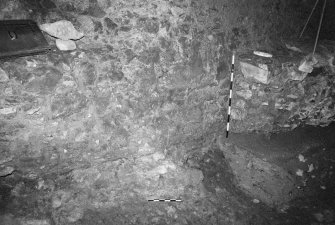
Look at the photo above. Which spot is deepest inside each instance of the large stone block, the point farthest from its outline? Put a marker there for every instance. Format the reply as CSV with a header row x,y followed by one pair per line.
x,y
254,72
67,45
62,29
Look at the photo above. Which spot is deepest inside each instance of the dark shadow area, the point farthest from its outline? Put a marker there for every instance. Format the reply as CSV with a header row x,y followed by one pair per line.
x,y
327,31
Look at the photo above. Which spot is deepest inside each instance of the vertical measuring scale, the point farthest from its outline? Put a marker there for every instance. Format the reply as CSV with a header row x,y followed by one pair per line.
x,y
230,92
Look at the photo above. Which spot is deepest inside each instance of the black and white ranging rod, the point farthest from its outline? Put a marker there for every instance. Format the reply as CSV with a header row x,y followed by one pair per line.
x,y
230,91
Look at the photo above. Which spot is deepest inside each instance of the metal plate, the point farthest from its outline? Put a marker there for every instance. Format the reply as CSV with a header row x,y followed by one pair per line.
x,y
21,38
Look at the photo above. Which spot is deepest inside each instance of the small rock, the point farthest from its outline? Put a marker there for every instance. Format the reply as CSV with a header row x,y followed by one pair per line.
x,y
8,170
328,215
6,159
299,173
292,96
32,64
263,54
62,29
284,208
240,104
319,217
149,25
293,74
256,201
40,184
58,199
110,24
8,111
32,176
263,66
66,67
261,93
3,76
68,45
239,112
210,37
34,222
330,63
307,64
69,83
8,91
171,211
255,72
33,111
246,94
98,28
56,202
310,168
243,84
86,24
301,158
158,156
293,48
75,215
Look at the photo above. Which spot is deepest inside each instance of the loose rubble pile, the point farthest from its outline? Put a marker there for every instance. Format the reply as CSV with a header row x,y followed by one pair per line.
x,y
285,91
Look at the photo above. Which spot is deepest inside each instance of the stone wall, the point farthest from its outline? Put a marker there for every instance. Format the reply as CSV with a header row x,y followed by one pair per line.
x,y
146,74
275,95
151,74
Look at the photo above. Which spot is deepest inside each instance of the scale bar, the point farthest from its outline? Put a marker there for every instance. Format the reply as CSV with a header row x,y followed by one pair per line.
x,y
164,200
